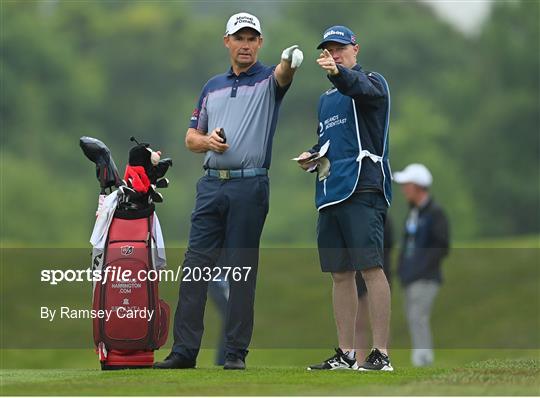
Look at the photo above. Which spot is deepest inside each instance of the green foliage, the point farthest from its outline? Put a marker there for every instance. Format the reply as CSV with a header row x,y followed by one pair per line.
x,y
501,130
465,106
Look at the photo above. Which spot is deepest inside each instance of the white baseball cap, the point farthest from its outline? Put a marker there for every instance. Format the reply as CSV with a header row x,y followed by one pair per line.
x,y
242,20
415,173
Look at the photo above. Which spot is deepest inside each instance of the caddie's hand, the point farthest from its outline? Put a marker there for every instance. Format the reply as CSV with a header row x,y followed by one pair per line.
x,y
293,55
304,165
326,62
215,142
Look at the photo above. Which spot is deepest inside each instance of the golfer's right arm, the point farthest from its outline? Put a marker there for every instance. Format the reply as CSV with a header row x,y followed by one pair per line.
x,y
199,142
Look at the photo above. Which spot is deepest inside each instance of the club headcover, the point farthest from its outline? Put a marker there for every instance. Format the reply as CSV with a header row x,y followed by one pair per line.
x,y
159,170
137,178
97,152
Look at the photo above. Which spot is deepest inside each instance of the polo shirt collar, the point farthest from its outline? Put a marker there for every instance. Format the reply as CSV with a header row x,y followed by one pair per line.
x,y
256,67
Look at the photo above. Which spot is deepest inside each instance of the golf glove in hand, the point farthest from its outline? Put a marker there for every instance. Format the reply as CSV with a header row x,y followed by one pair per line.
x,y
294,55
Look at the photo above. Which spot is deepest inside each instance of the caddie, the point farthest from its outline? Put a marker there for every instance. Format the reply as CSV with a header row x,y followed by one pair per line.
x,y
353,191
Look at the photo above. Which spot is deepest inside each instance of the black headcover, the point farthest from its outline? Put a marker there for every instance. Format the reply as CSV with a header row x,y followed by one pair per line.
x,y
106,171
140,155
159,170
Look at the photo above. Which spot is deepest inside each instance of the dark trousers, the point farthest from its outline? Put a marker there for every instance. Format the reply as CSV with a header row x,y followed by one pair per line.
x,y
226,227
219,294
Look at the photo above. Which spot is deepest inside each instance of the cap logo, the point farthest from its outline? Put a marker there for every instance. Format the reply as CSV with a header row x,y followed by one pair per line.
x,y
333,32
353,39
244,19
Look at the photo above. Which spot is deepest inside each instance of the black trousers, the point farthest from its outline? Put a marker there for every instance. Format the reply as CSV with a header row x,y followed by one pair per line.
x,y
226,227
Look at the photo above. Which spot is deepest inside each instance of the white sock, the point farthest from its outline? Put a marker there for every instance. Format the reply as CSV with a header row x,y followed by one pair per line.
x,y
350,354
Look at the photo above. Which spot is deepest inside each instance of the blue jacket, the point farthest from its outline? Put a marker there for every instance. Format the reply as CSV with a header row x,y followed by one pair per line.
x,y
354,117
426,239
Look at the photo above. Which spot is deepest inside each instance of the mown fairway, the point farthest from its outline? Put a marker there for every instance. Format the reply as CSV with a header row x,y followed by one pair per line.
x,y
508,373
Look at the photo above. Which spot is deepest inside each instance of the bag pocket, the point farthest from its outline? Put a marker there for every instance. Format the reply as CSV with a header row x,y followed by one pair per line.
x,y
163,332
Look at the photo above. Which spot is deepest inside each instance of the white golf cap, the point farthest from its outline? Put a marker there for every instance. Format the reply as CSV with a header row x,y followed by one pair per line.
x,y
242,20
415,173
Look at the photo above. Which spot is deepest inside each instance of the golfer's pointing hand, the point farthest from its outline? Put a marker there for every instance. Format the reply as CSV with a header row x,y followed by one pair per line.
x,y
293,55
215,142
326,62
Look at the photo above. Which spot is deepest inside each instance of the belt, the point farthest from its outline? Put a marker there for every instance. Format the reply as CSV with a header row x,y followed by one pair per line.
x,y
367,190
240,173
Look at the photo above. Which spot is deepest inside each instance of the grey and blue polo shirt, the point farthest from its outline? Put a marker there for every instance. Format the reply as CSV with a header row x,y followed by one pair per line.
x,y
247,107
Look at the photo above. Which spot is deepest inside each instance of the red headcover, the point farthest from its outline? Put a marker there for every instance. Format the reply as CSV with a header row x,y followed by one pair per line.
x,y
137,178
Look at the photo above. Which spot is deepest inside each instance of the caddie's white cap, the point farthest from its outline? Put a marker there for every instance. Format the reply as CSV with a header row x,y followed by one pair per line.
x,y
415,173
242,20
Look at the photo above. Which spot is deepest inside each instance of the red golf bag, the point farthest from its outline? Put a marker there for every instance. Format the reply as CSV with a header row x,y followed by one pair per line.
x,y
134,321
129,320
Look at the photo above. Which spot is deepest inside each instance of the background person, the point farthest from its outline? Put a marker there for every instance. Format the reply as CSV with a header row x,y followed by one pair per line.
x,y
425,244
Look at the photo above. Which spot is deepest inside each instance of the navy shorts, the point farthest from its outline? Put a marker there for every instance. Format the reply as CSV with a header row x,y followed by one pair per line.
x,y
350,234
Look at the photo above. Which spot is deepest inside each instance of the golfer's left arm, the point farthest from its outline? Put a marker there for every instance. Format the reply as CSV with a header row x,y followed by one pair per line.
x,y
291,59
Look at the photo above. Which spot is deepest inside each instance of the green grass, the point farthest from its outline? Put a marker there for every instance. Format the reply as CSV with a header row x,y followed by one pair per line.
x,y
458,372
486,317
515,242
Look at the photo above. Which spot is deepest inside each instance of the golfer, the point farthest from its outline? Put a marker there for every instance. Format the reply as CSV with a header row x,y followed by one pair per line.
x,y
232,196
353,192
